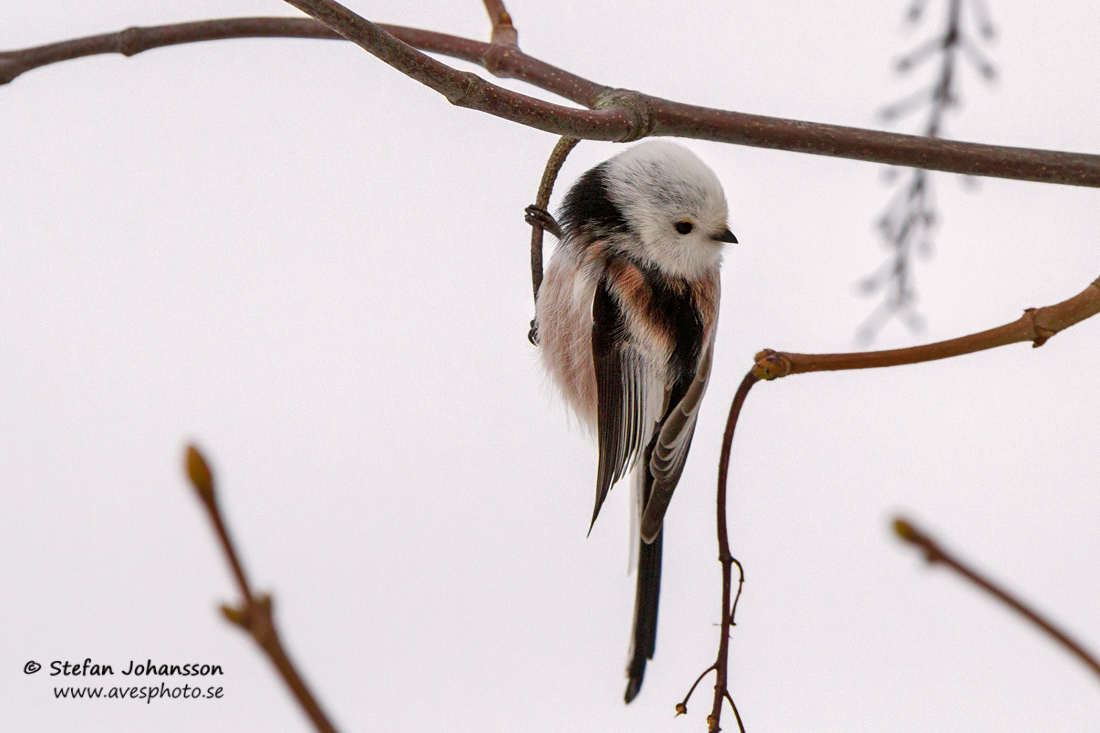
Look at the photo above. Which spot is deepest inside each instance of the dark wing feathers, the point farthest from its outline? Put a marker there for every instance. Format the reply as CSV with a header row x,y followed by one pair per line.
x,y
671,448
621,384
619,394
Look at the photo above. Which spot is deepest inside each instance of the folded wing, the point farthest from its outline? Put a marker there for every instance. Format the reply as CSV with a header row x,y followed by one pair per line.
x,y
670,451
624,391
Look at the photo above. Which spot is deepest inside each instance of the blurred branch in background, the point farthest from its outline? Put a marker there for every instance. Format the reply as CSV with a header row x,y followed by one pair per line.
x,y
934,554
254,615
907,222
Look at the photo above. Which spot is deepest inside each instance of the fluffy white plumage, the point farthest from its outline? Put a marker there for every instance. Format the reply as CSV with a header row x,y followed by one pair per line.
x,y
658,183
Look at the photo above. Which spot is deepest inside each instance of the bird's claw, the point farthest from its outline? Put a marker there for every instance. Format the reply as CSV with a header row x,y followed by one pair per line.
x,y
539,217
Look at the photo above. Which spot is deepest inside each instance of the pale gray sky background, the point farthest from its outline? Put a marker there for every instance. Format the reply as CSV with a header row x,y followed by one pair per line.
x,y
318,270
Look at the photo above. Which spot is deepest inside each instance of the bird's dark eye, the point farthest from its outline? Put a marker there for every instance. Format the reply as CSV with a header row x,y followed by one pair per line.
x,y
684,227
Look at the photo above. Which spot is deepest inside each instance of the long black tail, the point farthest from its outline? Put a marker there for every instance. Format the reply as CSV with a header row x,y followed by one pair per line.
x,y
645,613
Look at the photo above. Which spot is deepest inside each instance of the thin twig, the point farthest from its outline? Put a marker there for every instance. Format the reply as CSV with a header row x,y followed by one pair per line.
x,y
740,587
721,665
542,200
935,554
255,614
504,33
668,117
1037,325
682,706
736,714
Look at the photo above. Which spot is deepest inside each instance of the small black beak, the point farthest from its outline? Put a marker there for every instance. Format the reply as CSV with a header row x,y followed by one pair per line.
x,y
726,236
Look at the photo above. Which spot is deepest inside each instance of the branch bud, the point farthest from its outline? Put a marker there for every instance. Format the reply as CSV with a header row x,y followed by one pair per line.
x,y
235,616
771,365
906,531
198,471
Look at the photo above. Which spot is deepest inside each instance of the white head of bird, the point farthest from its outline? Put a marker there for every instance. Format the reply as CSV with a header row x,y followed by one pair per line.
x,y
675,205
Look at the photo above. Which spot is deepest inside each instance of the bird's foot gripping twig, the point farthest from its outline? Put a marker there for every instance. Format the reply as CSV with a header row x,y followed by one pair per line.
x,y
539,217
542,220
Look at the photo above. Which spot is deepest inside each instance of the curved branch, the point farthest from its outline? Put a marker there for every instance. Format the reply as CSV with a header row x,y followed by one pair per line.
x,y
394,45
502,61
137,39
542,200
721,665
683,120
464,89
1037,325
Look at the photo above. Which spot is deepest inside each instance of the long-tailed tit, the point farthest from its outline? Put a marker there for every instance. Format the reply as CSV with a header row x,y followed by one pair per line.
x,y
626,319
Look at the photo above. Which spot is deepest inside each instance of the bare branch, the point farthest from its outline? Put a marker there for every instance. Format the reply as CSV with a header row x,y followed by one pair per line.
x,y
542,220
914,151
542,200
504,33
134,40
721,665
254,615
462,88
736,714
1037,325
504,62
936,555
667,117
682,706
683,120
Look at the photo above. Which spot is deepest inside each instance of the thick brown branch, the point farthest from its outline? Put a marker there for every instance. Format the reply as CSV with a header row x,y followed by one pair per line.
x,y
936,555
682,120
464,89
135,40
914,151
667,117
254,615
1037,325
